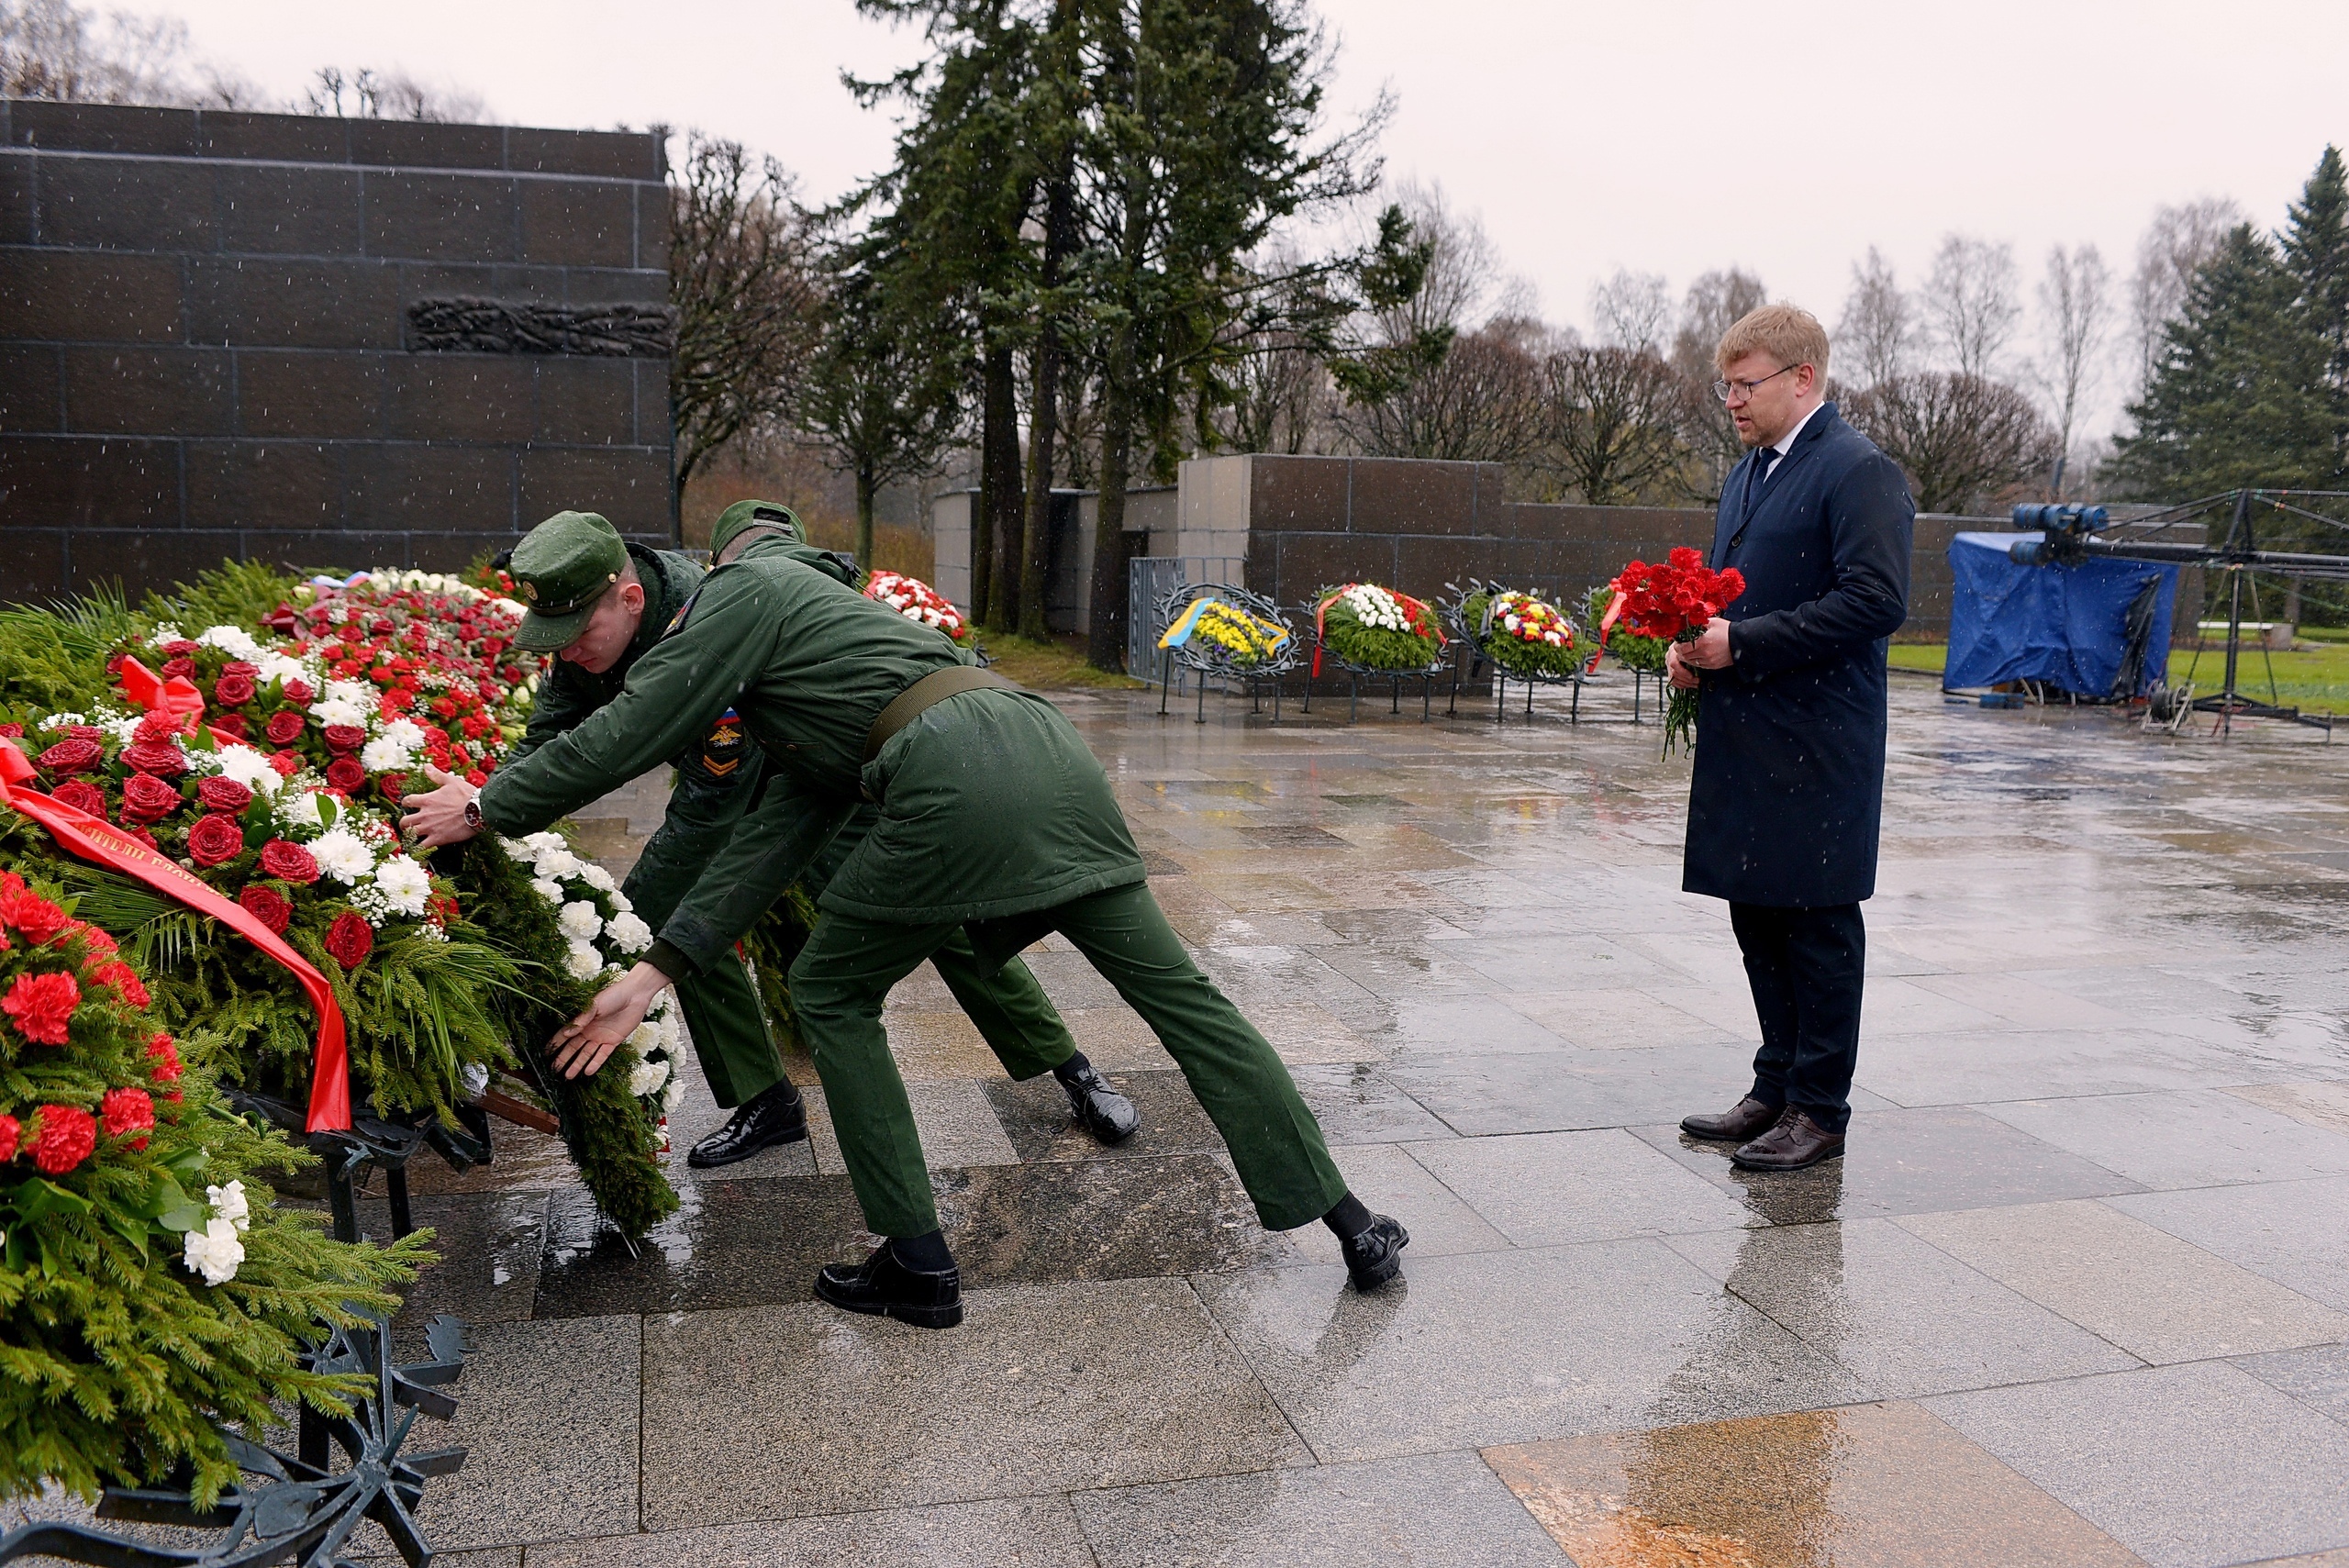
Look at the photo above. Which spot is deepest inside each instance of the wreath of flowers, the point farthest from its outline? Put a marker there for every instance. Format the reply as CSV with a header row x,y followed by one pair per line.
x,y
1377,628
1521,633
918,601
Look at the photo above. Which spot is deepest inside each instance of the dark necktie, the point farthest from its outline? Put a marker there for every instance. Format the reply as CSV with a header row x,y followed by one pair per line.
x,y
1753,478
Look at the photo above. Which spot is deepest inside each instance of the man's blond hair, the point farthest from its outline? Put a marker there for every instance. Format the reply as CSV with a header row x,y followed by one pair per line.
x,y
1787,333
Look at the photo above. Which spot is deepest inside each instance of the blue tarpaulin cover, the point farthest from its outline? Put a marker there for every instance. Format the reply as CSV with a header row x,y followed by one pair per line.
x,y
2067,626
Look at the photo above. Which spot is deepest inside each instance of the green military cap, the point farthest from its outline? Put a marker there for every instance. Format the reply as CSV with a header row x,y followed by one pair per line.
x,y
560,569
746,515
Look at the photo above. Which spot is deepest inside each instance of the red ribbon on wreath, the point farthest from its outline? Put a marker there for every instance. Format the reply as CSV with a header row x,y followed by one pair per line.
x,y
94,839
178,696
1413,610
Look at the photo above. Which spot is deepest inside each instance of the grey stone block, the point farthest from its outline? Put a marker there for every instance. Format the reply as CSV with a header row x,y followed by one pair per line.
x,y
1395,495
1305,495
87,297
158,558
614,155
463,398
341,550
85,481
16,197
32,563
306,304
439,217
630,485
584,402
131,203
279,139
437,488
312,211
314,394
1032,1532
264,485
103,127
426,145
615,285
141,391
652,228
32,387
578,222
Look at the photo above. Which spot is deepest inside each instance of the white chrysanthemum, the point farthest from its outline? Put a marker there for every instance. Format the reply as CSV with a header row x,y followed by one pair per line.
x,y
583,962
249,768
234,640
62,721
628,932
336,710
403,732
596,877
357,692
580,921
406,883
647,1077
300,810
384,755
474,1078
557,863
281,667
121,726
214,1252
230,1203
548,889
343,854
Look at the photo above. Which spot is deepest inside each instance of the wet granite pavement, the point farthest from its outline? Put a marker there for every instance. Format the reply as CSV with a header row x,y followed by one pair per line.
x,y
2079,1294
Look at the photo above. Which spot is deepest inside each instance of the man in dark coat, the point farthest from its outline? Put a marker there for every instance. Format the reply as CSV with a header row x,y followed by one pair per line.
x,y
1788,785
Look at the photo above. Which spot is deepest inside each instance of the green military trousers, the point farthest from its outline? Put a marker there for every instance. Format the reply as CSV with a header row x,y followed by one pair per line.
x,y
843,975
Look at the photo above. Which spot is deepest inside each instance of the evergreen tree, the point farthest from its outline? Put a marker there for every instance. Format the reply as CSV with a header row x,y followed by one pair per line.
x,y
2316,250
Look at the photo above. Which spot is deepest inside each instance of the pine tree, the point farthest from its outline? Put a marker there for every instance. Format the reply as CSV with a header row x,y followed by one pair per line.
x,y
2316,250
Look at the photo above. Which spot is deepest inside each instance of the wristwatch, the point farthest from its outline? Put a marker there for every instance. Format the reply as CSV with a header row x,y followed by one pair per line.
x,y
472,812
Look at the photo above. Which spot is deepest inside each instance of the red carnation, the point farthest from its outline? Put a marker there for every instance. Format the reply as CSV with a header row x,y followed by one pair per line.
x,y
42,1004
349,938
284,728
221,793
8,1134
179,668
123,981
268,906
77,755
299,691
287,764
344,774
159,757
12,731
289,863
146,798
181,646
156,726
126,1111
345,737
231,723
165,1053
475,777
81,796
213,839
232,691
64,1140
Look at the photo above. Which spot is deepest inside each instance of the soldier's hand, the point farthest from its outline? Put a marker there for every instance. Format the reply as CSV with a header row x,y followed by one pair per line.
x,y
438,818
589,1040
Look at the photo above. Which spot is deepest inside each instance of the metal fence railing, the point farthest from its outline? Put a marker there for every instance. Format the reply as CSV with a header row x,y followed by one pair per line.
x,y
1150,578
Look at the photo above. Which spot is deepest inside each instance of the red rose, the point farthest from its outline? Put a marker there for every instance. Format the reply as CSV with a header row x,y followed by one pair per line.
x,y
146,798
214,837
64,1141
288,863
12,731
181,647
221,793
232,691
349,938
123,981
42,1004
179,668
155,727
8,1133
345,737
240,667
231,723
299,691
82,796
287,764
345,775
126,1111
132,830
284,728
74,756
90,732
159,758
350,632
165,1053
269,907
393,785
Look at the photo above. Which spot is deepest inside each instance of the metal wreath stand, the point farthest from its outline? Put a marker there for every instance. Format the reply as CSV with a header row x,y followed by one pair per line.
x,y
1474,658
1357,673
1209,661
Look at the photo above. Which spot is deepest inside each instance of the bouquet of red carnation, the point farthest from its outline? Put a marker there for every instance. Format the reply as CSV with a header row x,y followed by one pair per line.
x,y
918,601
1675,602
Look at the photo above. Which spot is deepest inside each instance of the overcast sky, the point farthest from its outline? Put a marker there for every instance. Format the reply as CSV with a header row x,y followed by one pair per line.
x,y
1668,136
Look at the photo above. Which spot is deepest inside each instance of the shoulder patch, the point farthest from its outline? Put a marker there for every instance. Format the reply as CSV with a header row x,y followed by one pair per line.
x,y
722,748
677,621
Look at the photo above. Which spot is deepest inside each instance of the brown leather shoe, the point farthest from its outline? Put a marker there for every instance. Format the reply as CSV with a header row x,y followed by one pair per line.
x,y
1796,1142
1747,1119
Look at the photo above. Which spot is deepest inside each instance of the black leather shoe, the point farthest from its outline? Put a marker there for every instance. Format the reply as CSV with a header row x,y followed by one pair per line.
x,y
1746,1119
1106,1114
881,1286
1377,1256
770,1116
1796,1143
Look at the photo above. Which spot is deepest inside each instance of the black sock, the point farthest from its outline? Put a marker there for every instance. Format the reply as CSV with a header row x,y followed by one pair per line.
x,y
1349,1219
782,1089
1069,1072
925,1254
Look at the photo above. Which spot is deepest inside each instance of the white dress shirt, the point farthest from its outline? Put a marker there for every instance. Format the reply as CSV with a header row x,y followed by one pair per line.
x,y
1783,444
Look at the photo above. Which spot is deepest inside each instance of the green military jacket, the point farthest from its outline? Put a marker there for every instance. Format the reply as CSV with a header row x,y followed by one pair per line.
x,y
989,802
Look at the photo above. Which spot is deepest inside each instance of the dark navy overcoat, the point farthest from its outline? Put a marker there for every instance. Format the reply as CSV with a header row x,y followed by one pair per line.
x,y
1788,785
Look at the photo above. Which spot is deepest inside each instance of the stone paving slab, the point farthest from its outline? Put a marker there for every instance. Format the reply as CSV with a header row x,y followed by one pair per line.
x,y
2296,1233
1544,1189
1032,1533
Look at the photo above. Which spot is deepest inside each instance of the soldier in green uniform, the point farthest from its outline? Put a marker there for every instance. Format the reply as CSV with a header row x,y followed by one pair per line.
x,y
598,603
995,821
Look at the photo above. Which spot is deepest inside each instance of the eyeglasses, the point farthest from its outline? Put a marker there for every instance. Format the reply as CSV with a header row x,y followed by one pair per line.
x,y
1721,389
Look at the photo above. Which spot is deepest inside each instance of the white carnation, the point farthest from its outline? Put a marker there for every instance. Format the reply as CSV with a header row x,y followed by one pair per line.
x,y
547,889
677,1092
405,884
628,932
580,921
540,843
214,1252
249,768
583,962
596,877
230,1203
557,863
384,755
647,1077
234,640
343,854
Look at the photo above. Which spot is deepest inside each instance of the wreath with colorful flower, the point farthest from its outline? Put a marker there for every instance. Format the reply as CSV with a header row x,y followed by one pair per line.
x,y
1523,635
1377,629
918,601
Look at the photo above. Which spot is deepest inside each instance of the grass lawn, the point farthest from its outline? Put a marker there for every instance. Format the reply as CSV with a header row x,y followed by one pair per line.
x,y
1043,665
2317,680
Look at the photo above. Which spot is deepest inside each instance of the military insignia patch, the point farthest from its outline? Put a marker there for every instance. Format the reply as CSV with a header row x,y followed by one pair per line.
x,y
721,753
529,590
